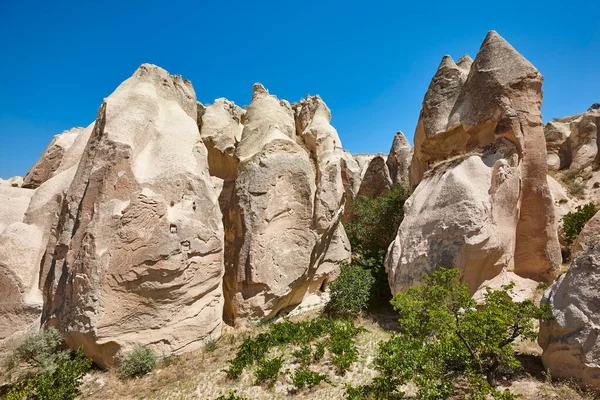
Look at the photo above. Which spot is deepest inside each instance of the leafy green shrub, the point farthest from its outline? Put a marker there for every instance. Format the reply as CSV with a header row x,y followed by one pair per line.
x,y
447,337
574,222
230,396
303,355
138,361
375,221
303,333
351,291
268,371
40,351
304,378
59,383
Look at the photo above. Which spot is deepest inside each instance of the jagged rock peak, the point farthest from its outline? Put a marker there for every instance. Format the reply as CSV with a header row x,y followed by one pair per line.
x,y
464,63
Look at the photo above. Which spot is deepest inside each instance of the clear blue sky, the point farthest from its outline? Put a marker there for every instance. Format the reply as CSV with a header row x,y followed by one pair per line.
x,y
371,61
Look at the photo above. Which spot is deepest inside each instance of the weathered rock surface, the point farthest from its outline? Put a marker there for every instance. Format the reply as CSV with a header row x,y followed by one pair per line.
x,y
375,177
136,255
23,242
589,235
282,207
15,181
572,142
570,344
399,159
51,159
480,137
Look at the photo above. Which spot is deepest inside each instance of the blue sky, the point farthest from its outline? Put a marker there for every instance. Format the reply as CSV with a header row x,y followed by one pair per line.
x,y
371,61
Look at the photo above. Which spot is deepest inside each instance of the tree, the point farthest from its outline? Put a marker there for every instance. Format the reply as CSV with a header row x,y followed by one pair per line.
x,y
446,336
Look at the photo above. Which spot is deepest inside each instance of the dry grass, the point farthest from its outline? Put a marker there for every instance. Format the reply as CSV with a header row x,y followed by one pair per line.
x,y
198,375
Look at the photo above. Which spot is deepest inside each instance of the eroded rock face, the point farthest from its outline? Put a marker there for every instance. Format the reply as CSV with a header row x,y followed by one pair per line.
x,y
375,176
137,251
572,142
30,216
282,207
51,159
480,136
571,349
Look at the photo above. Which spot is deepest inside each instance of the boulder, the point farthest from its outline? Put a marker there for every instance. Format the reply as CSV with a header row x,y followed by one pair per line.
x,y
51,159
570,344
479,137
399,159
136,253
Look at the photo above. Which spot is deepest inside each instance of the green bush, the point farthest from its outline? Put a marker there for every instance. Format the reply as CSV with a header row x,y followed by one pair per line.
x,y
375,221
59,383
210,345
304,378
40,352
574,222
446,337
230,396
268,371
138,361
303,355
336,335
351,291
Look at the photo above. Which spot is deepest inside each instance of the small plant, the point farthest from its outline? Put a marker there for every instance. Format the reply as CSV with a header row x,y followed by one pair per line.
x,y
304,378
14,184
60,383
303,355
230,396
574,222
210,345
575,181
268,371
137,362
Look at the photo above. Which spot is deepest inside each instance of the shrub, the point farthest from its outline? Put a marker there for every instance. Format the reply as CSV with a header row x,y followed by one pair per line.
x,y
230,396
574,222
40,351
138,361
446,337
59,383
375,221
338,337
210,345
351,291
268,371
307,379
303,355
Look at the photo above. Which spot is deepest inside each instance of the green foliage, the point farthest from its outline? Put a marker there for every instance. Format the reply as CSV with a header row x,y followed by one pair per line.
x,y
41,352
59,383
303,355
574,222
304,378
230,396
268,371
210,345
375,221
351,291
446,336
336,335
138,361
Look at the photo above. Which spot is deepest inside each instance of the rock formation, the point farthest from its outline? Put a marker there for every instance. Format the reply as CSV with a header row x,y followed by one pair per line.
x,y
482,202
136,255
399,159
375,176
283,195
570,344
572,142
